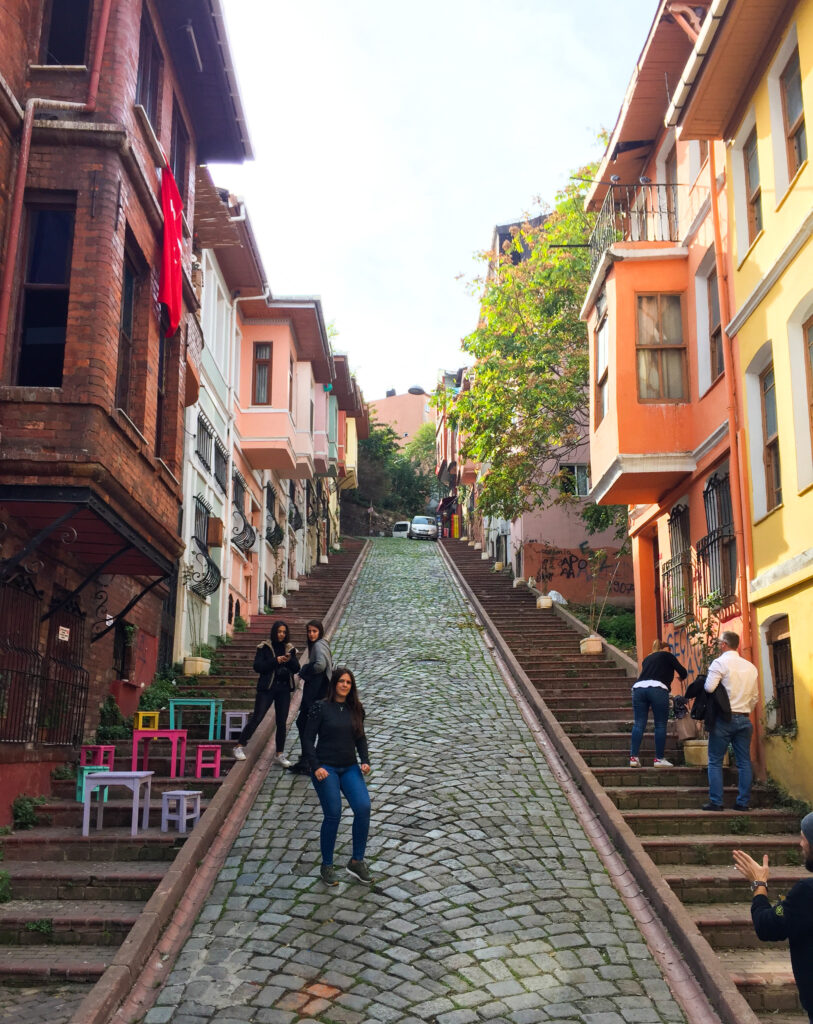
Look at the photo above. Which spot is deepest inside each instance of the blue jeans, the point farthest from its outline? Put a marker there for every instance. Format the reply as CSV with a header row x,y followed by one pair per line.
x,y
644,698
737,732
351,782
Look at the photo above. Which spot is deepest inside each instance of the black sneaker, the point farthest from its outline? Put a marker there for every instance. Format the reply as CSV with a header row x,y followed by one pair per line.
x,y
741,807
328,874
299,769
358,869
712,807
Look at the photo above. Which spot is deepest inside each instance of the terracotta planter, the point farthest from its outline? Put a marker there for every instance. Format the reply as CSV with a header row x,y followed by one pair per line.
x,y
591,645
196,666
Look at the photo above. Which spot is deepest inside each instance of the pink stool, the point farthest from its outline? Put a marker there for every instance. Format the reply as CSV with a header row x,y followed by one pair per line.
x,y
205,750
97,754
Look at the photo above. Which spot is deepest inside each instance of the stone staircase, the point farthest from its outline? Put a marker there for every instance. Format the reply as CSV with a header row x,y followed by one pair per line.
x,y
590,697
74,899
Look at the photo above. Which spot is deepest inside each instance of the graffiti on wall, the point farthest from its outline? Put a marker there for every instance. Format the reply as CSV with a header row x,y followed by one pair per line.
x,y
568,570
686,654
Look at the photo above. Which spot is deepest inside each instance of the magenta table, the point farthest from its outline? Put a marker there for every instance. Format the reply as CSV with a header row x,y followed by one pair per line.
x,y
177,737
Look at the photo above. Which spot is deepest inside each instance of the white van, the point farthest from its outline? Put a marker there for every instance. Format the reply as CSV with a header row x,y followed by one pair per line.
x,y
401,530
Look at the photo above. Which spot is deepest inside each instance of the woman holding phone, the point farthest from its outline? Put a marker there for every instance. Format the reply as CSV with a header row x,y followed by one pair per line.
x,y
333,737
277,663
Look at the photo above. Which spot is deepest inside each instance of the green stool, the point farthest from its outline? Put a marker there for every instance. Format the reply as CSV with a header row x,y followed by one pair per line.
x,y
86,769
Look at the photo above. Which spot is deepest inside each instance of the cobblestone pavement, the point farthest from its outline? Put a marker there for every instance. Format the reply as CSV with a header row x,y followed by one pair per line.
x,y
488,905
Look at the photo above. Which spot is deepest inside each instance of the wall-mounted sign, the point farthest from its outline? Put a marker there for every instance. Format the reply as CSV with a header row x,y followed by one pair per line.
x,y
63,633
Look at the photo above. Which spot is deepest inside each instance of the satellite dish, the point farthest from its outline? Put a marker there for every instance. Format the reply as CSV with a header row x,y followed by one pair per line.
x,y
416,391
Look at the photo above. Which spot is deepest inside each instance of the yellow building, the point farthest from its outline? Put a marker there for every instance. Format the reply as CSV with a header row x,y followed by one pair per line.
x,y
750,82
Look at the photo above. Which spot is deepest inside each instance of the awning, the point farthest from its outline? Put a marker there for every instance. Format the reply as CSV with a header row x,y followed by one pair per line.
x,y
445,503
89,529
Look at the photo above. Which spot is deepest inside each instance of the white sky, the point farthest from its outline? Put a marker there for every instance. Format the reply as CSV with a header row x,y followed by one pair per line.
x,y
390,138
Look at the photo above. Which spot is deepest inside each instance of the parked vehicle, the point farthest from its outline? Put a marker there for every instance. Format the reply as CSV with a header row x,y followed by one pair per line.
x,y
423,528
401,529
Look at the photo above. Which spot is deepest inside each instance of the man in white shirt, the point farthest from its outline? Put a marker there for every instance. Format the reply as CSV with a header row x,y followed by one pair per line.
x,y
739,677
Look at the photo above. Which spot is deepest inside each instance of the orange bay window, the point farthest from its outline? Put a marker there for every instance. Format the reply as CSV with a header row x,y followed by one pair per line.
x,y
660,349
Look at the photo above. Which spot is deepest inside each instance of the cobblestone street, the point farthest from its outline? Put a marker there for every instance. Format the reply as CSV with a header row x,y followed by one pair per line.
x,y
488,903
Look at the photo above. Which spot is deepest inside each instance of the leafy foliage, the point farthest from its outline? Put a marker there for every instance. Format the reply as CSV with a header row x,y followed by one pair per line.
x,y
24,813
390,478
526,409
112,724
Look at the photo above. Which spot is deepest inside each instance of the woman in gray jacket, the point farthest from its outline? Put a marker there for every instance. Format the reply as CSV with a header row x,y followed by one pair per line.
x,y
315,675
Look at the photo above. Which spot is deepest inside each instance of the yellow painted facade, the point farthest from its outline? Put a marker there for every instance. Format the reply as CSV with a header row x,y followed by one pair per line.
x,y
773,289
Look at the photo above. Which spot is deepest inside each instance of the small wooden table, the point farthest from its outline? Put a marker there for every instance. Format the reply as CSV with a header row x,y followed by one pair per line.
x,y
177,737
134,781
214,705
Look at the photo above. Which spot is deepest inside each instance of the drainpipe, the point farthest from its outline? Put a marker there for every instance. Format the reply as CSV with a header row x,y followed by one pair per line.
x,y
18,193
739,502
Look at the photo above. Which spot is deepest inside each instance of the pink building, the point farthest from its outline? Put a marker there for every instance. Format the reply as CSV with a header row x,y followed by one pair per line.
x,y
404,413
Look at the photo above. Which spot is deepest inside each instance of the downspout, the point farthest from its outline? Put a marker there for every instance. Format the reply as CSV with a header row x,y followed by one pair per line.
x,y
18,192
739,503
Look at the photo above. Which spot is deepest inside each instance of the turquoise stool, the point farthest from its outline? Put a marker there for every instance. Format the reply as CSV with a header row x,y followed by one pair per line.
x,y
88,769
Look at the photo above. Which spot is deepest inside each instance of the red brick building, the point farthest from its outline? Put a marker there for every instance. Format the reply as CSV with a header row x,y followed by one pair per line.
x,y
95,98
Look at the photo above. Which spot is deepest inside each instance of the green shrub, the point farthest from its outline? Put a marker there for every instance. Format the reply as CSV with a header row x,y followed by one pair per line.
x,y
240,624
619,630
112,724
45,926
23,811
64,771
5,887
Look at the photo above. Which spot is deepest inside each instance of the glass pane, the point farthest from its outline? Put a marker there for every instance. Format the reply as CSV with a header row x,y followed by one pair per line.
x,y
769,403
49,246
648,333
792,86
714,300
672,367
800,142
601,349
127,293
261,389
757,208
671,323
751,162
649,385
262,351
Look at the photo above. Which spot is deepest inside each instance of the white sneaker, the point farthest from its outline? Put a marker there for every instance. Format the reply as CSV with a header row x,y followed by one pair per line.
x,y
635,762
661,762
239,754
282,759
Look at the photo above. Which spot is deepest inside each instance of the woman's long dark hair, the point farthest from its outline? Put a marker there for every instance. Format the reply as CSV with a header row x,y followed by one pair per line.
x,y
320,627
279,647
352,700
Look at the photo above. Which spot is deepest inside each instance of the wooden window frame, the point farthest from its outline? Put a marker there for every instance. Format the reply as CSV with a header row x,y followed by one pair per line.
x,y
150,73
716,356
795,130
179,151
753,190
255,365
770,445
126,350
660,349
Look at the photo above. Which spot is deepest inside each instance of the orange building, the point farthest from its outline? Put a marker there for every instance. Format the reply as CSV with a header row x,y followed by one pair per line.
x,y
404,413
663,398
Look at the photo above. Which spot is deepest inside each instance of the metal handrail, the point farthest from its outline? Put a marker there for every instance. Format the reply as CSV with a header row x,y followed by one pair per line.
x,y
635,213
243,533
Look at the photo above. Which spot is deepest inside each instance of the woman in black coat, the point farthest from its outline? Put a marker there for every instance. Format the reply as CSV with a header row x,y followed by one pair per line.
x,y
651,690
276,663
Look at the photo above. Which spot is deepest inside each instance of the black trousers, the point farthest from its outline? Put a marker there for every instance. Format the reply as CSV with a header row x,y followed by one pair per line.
x,y
310,694
280,696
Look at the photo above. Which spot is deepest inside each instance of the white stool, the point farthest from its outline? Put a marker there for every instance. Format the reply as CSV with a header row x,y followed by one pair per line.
x,y
183,812
235,723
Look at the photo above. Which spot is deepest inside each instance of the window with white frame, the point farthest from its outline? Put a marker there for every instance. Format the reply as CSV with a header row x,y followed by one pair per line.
x,y
770,438
753,187
575,478
800,355
786,104
746,187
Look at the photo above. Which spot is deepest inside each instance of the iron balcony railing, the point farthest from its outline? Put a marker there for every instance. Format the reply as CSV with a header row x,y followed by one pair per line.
x,y
202,574
274,533
635,213
295,518
243,533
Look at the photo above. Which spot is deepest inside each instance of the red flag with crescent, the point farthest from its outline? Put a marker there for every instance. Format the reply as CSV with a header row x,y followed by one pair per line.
x,y
170,283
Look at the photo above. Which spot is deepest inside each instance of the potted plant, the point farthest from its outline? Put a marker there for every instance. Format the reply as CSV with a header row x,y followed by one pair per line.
x,y
195,664
596,560
703,630
543,578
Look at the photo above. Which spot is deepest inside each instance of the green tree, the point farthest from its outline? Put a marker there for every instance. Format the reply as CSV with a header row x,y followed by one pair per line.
x,y
526,408
421,449
390,478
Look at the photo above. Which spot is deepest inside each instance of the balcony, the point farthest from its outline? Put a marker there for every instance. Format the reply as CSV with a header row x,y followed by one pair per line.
x,y
243,533
268,439
635,213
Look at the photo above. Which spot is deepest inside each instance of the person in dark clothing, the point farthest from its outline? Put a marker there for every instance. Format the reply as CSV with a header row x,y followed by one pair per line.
x,y
334,734
651,690
315,675
277,663
791,918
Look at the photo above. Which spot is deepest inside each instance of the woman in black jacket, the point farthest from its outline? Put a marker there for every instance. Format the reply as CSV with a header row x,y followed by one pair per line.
x,y
315,675
651,690
334,734
277,664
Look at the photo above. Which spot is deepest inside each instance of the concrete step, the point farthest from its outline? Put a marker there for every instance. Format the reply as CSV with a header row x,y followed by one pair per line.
x,y
116,812
681,776
42,963
763,976
704,849
762,822
728,925
621,741
65,789
84,880
654,797
59,922
68,844
711,883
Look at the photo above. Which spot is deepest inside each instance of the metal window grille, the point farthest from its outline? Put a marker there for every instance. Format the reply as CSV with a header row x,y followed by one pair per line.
x,y
717,551
783,682
239,492
204,442
20,660
200,527
65,681
676,575
221,465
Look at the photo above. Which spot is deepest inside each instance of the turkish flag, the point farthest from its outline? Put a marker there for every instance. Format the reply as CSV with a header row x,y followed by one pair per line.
x,y
169,285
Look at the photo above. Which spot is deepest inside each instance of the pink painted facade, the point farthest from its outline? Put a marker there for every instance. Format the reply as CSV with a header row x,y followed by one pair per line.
x,y
404,413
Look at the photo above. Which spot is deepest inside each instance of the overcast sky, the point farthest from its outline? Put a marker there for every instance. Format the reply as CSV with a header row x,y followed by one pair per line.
x,y
390,138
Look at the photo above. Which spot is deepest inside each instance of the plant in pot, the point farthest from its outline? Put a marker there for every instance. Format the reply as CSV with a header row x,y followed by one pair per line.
x,y
543,578
195,664
703,628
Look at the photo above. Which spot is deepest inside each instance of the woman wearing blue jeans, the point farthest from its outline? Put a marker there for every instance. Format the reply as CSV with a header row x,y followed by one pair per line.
x,y
333,736
651,690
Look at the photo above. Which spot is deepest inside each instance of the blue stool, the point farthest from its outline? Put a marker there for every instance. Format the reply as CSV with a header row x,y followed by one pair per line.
x,y
87,769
